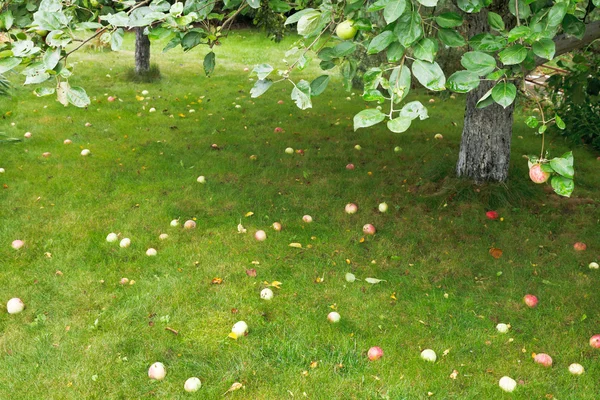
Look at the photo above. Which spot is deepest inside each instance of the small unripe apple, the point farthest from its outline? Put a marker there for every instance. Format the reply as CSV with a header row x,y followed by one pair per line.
x,y
369,229
85,152
502,328
397,149
17,244
375,353
266,294
151,252
277,226
579,246
438,136
346,30
27,135
67,141
576,369
152,110
595,341
192,385
157,371
383,207
333,317
507,384
126,242
2,170
428,355
537,175
145,92
350,166
15,306
163,236
351,208
175,222
357,147
530,300
307,219
239,328
201,179
111,237
189,224
594,265
289,150
260,236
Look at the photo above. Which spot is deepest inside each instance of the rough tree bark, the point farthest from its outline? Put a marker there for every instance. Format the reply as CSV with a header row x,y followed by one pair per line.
x,y
142,52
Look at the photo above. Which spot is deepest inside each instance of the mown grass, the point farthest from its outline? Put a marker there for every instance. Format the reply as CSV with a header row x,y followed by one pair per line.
x,y
84,335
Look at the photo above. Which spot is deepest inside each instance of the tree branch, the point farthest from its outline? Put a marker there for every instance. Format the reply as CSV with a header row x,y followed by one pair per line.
x,y
565,44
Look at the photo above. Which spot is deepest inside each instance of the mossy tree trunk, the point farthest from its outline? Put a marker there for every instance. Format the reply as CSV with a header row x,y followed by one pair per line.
x,y
142,52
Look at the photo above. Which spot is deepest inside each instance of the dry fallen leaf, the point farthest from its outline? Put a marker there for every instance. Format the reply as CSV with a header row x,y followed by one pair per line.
x,y
454,374
496,253
314,364
296,245
374,280
217,281
241,228
235,386
232,336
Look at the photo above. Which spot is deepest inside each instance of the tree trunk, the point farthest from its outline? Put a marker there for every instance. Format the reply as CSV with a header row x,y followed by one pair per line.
x,y
485,145
142,52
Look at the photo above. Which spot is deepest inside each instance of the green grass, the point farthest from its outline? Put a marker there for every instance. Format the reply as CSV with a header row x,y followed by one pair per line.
x,y
83,335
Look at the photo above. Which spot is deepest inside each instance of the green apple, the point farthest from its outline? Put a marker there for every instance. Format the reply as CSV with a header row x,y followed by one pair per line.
x,y
346,30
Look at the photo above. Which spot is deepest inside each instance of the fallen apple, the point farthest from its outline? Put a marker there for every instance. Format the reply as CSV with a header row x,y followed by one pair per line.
x,y
175,222
537,175
46,154
152,110
491,215
112,237
260,236
595,341
201,179
278,130
579,246
157,371
307,219
507,384
192,385
576,369
163,236
280,102
189,224
594,265
15,306
357,147
289,150
346,30
144,92
151,252
27,135
543,359
428,355
277,226
383,207
369,229
111,98
17,244
2,170
351,208
67,141
397,149
530,300
350,166
240,328
438,136
125,242
85,152
502,328
375,353
333,317
266,294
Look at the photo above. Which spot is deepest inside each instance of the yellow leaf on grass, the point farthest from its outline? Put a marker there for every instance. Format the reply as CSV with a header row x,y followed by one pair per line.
x,y
296,245
314,364
276,284
235,386
249,214
233,336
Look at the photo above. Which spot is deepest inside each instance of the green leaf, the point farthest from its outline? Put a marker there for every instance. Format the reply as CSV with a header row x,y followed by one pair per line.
x,y
253,3
400,81
428,3
463,81
395,52
559,122
494,76
367,118
451,38
413,110
399,124
557,13
532,122
348,70
429,75
562,186
292,19
393,10
544,48
6,64
409,28
495,21
487,42
318,85
260,87
518,32
51,58
116,39
308,23
301,95
425,49
343,49
485,100
209,63
78,97
563,166
363,24
449,20
372,78
378,5
373,95
470,6
43,91
262,70
478,62
524,9
542,128
512,55
381,42
573,26
504,93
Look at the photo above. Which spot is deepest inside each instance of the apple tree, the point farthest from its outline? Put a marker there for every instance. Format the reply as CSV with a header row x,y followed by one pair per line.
x,y
500,43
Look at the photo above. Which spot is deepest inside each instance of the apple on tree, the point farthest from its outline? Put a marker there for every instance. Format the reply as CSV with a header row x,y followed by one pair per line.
x,y
346,30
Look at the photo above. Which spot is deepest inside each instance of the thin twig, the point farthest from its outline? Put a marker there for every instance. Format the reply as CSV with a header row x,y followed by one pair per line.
x,y
309,46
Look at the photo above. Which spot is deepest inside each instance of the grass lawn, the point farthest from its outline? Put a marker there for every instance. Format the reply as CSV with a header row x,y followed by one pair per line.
x,y
85,335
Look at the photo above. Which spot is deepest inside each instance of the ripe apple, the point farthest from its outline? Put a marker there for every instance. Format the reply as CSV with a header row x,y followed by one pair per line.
x,y
351,208
537,175
192,385
157,371
530,300
27,135
2,170
346,30
595,341
260,236
397,149
579,246
307,218
491,215
429,355
67,141
85,152
201,179
333,317
277,226
438,136
17,244
240,328
350,167
507,384
111,99
266,294
189,224
280,102
126,242
278,130
576,369
151,252
543,359
357,147
46,154
369,229
15,306
375,353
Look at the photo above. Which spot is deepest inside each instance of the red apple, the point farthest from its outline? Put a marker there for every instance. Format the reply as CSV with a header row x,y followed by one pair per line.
x,y
491,215
579,246
351,208
111,98
369,229
350,166
537,175
375,353
595,341
543,359
530,300
278,130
